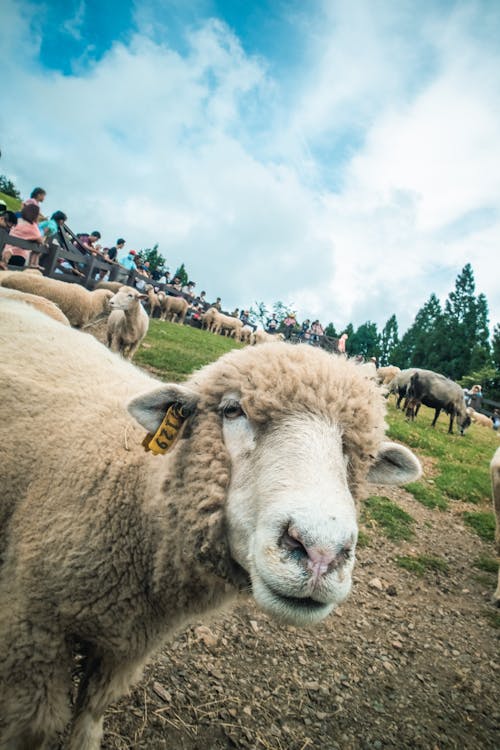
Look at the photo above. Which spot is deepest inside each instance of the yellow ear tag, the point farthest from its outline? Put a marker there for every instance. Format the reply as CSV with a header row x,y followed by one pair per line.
x,y
167,432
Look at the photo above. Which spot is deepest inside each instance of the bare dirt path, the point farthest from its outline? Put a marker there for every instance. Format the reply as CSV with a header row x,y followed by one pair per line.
x,y
407,662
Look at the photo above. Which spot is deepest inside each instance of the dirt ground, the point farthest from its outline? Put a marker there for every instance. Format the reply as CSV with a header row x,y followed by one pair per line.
x,y
407,662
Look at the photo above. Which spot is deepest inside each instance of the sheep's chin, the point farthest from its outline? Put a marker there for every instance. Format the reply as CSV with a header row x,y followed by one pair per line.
x,y
289,609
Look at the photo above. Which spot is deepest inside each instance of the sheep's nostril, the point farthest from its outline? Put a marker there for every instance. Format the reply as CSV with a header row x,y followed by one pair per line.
x,y
290,540
319,558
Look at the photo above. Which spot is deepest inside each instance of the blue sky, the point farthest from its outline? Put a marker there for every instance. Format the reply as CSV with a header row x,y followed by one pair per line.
x,y
338,156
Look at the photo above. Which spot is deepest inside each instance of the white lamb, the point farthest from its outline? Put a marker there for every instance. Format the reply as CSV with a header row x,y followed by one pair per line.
x,y
173,308
128,322
153,299
107,549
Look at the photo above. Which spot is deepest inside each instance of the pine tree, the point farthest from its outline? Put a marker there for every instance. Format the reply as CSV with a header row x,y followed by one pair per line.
x,y
389,340
420,344
496,346
365,341
465,338
182,274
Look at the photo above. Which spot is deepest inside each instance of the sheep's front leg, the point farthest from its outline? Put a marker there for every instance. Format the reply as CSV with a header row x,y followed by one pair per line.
x,y
102,682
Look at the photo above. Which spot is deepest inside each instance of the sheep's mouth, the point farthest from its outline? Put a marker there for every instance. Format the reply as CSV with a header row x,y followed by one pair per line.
x,y
298,602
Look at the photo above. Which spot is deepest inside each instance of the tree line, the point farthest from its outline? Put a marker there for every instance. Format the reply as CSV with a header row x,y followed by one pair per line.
x,y
453,339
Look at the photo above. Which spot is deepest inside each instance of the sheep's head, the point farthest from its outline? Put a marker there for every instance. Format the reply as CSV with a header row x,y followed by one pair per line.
x,y
302,431
126,298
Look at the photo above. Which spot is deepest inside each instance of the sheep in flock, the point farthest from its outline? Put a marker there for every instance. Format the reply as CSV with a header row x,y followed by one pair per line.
x,y
153,300
40,303
128,321
385,375
439,393
479,418
495,486
208,317
231,326
246,333
262,337
78,304
399,384
106,549
173,308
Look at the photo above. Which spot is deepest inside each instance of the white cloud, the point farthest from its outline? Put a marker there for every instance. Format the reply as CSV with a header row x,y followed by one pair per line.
x,y
161,146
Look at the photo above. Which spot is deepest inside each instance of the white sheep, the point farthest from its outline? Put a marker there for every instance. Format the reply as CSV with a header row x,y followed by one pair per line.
x,y
226,324
385,375
128,321
40,303
153,300
173,308
480,419
208,317
246,333
78,304
107,549
495,486
262,337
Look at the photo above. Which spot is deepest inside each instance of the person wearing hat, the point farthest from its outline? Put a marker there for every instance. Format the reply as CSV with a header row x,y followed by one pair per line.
x,y
129,261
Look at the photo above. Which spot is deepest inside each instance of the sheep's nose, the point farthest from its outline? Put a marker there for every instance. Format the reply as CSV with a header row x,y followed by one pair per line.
x,y
319,558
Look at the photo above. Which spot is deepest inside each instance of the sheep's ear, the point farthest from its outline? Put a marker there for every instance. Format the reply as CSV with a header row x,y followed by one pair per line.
x,y
394,464
150,408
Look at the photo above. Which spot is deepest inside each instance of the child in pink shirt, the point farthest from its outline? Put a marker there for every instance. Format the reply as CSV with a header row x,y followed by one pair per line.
x,y
26,229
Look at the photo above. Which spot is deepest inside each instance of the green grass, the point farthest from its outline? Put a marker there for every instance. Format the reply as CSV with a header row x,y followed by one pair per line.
x,y
488,564
461,465
428,494
483,524
392,520
174,351
13,204
422,564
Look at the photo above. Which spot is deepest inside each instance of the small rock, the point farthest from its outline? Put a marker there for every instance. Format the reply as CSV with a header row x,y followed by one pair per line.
x,y
254,625
311,686
206,635
162,692
376,583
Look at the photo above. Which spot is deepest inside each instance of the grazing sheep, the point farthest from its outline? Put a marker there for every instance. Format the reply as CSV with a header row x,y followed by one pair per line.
x,y
78,304
153,300
439,393
128,321
208,317
40,303
173,308
107,549
495,486
479,418
227,324
246,333
399,385
386,375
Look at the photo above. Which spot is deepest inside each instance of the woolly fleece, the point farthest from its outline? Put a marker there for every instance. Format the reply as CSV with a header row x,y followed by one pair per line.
x,y
78,304
108,547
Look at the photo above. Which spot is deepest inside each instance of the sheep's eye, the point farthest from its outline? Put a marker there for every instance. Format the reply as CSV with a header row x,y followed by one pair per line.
x,y
232,410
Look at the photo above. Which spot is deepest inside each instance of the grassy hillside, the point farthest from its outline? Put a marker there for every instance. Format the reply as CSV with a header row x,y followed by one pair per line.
x,y
13,204
172,352
456,469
